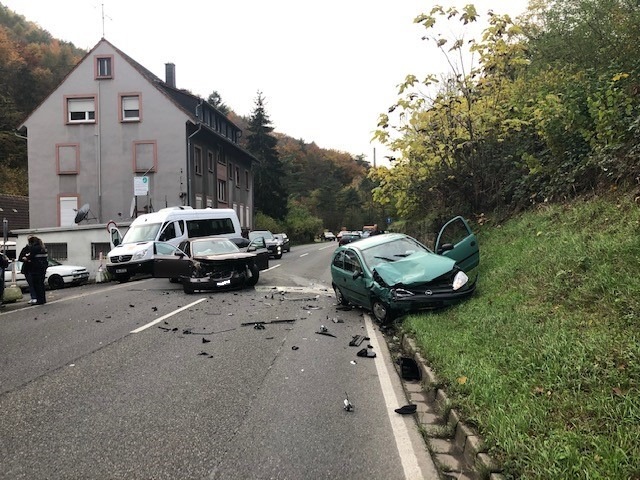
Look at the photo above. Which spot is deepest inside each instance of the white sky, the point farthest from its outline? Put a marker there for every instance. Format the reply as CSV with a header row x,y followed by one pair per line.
x,y
327,69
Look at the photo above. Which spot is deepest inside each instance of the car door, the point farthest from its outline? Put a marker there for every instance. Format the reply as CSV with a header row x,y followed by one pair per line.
x,y
169,261
457,241
259,247
352,281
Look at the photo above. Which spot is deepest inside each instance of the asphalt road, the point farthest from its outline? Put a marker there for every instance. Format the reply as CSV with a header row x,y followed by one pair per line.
x,y
141,381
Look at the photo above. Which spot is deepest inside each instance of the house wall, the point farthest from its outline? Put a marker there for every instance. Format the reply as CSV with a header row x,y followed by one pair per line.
x,y
105,176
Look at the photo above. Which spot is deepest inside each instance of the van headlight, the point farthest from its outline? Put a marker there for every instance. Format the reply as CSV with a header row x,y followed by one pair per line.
x,y
460,280
140,255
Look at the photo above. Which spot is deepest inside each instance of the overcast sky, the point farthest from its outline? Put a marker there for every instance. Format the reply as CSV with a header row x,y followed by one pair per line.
x,y
327,68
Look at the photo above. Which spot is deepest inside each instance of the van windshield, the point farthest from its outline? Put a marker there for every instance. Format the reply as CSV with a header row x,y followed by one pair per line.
x,y
142,233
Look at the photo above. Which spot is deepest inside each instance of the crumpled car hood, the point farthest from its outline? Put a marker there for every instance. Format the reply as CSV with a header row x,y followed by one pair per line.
x,y
418,268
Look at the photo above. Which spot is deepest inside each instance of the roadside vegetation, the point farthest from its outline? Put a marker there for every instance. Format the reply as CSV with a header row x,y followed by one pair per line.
x,y
545,360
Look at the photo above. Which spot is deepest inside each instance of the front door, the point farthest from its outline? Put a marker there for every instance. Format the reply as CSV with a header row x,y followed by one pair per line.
x,y
169,261
457,241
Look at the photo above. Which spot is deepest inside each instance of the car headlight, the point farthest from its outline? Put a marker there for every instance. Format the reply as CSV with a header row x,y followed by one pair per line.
x,y
460,280
401,293
141,254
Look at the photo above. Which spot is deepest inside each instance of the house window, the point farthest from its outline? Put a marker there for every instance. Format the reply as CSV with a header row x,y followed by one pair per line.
x,y
209,202
198,201
145,156
247,217
230,171
210,160
104,67
198,160
81,110
220,156
100,248
67,158
237,176
246,179
222,191
130,108
57,251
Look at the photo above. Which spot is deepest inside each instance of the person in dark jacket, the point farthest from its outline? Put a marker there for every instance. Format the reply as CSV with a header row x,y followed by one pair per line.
x,y
24,257
38,268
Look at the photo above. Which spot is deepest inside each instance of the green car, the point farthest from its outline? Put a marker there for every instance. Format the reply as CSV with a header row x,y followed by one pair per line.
x,y
393,274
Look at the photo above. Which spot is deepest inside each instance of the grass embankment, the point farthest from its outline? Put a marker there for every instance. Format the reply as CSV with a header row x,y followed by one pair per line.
x,y
545,360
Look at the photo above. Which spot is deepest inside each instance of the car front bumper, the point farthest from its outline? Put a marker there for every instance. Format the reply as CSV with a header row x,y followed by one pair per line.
x,y
131,268
230,282
429,300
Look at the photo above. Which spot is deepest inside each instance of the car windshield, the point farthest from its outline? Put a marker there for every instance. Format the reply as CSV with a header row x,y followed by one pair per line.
x,y
260,233
392,251
142,233
213,247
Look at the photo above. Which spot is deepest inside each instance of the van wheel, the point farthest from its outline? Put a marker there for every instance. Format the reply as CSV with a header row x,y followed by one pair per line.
x,y
122,277
255,275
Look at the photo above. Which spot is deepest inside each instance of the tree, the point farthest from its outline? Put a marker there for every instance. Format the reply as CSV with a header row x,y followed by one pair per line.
x,y
215,99
269,194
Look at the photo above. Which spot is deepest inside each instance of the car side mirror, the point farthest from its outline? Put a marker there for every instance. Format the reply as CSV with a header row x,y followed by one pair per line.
x,y
445,248
178,253
116,242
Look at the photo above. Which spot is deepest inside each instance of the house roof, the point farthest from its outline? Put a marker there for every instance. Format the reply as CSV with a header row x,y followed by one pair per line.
x,y
16,210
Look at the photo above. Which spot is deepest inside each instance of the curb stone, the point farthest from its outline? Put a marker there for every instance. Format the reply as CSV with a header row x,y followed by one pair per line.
x,y
458,451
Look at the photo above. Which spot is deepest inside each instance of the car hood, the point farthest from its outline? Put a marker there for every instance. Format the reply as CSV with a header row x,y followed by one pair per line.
x,y
418,268
223,257
128,248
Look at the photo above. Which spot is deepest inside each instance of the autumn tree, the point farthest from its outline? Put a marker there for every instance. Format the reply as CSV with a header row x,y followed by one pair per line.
x,y
269,194
215,99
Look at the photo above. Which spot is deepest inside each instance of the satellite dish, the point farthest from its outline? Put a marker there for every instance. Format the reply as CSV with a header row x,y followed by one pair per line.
x,y
83,214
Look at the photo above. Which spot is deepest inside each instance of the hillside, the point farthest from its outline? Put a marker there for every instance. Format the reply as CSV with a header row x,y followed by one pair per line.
x,y
544,360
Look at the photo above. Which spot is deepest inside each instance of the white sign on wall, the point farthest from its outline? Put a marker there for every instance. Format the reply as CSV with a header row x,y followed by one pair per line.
x,y
140,186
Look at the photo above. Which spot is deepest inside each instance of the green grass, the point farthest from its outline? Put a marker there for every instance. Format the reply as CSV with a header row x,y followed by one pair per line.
x,y
550,344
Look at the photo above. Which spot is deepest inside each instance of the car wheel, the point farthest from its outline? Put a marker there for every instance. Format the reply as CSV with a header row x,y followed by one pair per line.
x,y
278,257
122,277
56,282
188,289
339,296
381,312
255,275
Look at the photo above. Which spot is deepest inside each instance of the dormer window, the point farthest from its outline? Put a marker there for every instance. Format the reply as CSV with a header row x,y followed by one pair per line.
x,y
104,67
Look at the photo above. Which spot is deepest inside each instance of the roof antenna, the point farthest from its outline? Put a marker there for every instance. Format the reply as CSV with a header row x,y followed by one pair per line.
x,y
103,15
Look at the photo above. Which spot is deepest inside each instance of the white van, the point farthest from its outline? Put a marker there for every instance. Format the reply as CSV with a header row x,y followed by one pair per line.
x,y
134,252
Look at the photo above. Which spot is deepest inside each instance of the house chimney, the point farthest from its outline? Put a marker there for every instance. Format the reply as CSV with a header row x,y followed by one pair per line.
x,y
170,74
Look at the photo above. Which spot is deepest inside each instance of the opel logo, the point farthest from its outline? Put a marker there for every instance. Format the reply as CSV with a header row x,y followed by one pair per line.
x,y
428,292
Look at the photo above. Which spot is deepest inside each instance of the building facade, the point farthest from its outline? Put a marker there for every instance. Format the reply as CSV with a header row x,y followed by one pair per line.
x,y
113,141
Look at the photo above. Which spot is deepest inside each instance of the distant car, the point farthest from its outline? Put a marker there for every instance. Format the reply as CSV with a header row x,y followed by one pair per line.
x,y
216,263
328,236
392,274
284,241
58,275
348,237
273,245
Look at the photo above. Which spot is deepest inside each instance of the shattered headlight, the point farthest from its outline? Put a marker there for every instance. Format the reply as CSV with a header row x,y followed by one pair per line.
x,y
460,280
401,293
141,254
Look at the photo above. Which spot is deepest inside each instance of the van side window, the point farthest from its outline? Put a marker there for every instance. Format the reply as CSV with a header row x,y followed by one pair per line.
x,y
168,232
209,226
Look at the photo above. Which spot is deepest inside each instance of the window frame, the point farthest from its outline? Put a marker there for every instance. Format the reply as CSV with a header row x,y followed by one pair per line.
x,y
59,168
108,60
121,104
69,99
222,190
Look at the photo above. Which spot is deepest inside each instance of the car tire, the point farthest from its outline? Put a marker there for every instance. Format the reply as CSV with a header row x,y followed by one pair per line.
x,y
278,257
122,277
56,282
381,311
339,296
255,275
188,289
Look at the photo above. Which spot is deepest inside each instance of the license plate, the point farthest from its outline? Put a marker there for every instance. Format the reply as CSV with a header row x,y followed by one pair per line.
x,y
121,270
223,283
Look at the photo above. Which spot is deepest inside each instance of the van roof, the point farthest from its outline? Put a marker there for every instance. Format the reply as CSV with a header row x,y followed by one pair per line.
x,y
181,212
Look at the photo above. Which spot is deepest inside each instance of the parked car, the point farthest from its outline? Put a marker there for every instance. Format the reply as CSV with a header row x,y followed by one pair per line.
x,y
393,274
328,236
58,275
273,245
219,264
348,237
284,241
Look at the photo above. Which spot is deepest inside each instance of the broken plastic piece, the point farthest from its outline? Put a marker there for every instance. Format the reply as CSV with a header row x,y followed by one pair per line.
x,y
356,340
406,409
365,352
348,406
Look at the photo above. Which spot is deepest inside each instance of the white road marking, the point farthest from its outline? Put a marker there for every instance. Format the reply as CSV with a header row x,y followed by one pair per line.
x,y
408,455
171,314
304,255
328,246
271,268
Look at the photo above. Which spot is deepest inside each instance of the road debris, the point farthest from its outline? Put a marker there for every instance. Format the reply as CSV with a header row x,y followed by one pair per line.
x,y
348,406
324,331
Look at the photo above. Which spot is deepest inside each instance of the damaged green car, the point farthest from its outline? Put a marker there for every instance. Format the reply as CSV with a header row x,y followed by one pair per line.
x,y
394,274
